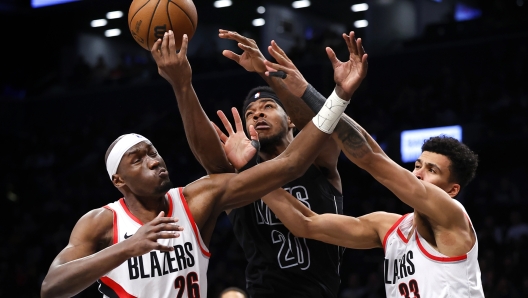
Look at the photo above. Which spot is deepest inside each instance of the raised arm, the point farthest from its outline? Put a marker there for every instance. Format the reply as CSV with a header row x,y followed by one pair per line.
x,y
252,60
362,232
363,150
85,259
203,140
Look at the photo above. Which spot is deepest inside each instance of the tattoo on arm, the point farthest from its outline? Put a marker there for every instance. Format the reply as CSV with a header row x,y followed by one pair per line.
x,y
352,138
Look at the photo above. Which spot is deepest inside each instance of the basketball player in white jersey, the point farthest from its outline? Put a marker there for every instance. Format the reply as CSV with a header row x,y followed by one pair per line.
x,y
431,252
153,241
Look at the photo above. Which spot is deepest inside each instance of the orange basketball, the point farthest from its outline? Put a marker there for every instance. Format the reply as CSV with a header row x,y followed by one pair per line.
x,y
148,20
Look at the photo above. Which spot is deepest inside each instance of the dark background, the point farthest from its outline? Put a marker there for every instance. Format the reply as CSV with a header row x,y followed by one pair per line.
x,y
60,109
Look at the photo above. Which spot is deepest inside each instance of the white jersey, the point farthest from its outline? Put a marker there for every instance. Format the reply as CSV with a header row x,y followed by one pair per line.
x,y
413,269
179,273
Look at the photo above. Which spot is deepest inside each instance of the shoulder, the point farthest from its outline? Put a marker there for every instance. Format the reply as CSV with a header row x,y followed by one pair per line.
x,y
95,225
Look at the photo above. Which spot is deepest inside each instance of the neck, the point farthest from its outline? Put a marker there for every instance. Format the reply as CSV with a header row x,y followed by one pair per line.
x,y
146,208
271,150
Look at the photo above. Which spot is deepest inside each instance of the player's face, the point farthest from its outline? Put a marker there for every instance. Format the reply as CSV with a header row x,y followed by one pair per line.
x,y
268,118
434,168
144,171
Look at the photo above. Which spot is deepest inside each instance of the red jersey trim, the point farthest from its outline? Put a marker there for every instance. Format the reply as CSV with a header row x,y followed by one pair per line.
x,y
115,238
394,226
121,293
122,202
193,224
435,258
403,238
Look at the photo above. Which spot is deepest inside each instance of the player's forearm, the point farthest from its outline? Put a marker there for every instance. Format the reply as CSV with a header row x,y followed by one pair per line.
x,y
355,142
299,113
292,213
68,279
201,135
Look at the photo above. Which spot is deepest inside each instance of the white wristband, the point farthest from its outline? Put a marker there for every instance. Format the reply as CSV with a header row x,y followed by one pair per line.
x,y
329,115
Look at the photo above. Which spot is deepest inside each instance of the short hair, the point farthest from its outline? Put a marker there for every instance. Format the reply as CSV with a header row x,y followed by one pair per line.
x,y
235,289
464,162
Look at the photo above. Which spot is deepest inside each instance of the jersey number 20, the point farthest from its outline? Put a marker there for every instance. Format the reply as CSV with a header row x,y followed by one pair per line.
x,y
193,287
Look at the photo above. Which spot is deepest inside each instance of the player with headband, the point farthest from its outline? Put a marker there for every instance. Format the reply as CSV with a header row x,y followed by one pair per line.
x,y
153,241
276,112
431,252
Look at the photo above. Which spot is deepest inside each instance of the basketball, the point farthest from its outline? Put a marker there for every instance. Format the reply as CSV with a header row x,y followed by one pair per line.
x,y
148,20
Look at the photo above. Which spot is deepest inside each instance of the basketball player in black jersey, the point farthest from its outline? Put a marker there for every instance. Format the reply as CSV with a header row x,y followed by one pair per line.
x,y
278,262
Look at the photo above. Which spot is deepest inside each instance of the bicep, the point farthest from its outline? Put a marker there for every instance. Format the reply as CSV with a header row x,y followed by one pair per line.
x,y
346,231
86,236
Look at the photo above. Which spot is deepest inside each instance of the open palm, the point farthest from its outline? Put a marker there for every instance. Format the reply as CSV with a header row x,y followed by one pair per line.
x,y
348,75
238,148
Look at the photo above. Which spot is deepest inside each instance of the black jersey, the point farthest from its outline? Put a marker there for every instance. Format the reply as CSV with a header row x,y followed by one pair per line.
x,y
280,264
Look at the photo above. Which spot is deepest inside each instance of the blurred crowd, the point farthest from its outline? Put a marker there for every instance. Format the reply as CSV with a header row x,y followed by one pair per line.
x,y
53,153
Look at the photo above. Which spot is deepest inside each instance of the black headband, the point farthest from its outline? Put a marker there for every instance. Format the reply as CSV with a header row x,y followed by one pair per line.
x,y
259,95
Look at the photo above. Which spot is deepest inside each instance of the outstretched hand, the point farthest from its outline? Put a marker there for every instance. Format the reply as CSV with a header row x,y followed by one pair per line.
x,y
173,66
349,75
294,80
237,146
251,59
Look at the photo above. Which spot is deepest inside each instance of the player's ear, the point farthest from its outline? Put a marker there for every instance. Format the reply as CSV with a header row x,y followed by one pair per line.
x,y
290,123
118,181
455,189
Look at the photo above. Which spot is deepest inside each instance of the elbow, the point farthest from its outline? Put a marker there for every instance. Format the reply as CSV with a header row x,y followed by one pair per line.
x,y
49,289
46,289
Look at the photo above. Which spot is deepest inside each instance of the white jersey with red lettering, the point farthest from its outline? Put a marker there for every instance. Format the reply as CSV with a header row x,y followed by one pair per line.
x,y
414,269
179,273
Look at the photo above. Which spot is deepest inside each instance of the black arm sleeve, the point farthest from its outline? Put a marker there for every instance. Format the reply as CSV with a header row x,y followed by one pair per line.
x,y
313,99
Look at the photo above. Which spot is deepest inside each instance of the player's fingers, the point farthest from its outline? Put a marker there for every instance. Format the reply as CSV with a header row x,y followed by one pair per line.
x,y
332,57
161,214
248,48
231,55
226,122
359,45
233,35
364,65
164,248
167,227
165,45
351,43
253,134
185,44
220,133
172,43
163,220
238,120
275,67
279,57
155,51
167,235
279,50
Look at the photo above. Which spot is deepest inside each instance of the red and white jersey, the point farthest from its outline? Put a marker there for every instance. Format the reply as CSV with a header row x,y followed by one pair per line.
x,y
414,269
179,273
